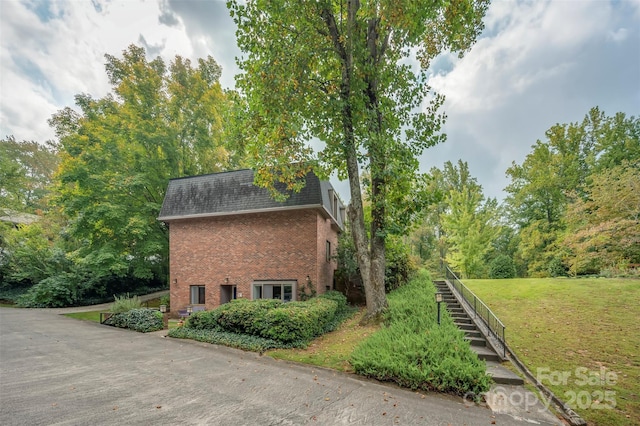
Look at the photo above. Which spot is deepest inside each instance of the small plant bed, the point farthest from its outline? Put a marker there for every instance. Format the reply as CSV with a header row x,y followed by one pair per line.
x,y
143,320
580,336
412,350
259,325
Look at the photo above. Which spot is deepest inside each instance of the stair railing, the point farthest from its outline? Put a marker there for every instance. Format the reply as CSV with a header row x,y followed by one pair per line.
x,y
494,326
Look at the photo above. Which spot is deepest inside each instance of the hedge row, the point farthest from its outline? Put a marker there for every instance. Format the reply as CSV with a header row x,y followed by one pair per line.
x,y
143,320
292,323
413,351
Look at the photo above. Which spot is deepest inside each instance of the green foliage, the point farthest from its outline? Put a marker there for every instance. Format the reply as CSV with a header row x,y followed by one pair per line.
x,y
338,71
299,321
204,320
413,351
551,194
26,170
118,153
142,320
307,291
30,256
399,265
293,323
337,297
603,231
240,341
502,266
245,316
53,292
469,222
166,300
125,303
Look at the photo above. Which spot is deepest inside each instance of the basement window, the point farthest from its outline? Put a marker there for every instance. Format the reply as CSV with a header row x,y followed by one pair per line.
x,y
283,291
197,294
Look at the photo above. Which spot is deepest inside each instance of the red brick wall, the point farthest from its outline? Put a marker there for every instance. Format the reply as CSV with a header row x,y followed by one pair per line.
x,y
285,245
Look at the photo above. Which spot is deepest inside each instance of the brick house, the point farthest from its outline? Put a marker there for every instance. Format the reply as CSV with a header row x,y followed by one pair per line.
x,y
229,239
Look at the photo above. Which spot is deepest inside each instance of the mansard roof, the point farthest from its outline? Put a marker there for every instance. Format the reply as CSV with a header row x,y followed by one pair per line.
x,y
233,192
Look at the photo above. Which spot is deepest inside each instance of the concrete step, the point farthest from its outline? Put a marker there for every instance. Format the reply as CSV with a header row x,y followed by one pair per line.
x,y
472,333
466,326
485,353
503,375
458,321
476,341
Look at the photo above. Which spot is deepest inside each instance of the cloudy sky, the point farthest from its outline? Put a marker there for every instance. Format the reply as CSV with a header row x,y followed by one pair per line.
x,y
537,63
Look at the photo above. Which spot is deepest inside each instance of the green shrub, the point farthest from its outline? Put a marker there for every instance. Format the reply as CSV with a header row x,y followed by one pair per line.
x,y
142,320
204,320
502,266
53,292
166,300
412,350
299,321
293,323
337,297
125,303
233,340
556,268
245,316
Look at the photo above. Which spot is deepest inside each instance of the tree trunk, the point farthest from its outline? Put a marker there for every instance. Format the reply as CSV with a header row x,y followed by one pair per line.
x,y
371,261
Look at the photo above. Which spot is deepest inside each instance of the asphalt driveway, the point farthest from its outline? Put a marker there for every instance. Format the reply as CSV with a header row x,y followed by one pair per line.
x,y
59,370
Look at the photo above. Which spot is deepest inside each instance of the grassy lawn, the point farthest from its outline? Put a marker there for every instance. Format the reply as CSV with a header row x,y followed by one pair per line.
x,y
586,329
330,350
86,316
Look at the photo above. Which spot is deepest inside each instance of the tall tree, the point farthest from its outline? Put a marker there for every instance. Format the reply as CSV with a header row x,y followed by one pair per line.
x,y
470,223
340,71
604,230
118,153
563,164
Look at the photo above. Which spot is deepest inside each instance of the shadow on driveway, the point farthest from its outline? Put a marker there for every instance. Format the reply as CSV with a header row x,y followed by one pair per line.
x,y
58,370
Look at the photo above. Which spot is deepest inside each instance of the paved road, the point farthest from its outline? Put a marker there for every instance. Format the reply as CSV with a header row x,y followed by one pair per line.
x,y
58,370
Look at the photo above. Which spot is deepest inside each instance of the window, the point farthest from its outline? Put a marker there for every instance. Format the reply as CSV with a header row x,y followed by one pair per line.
x,y
197,295
328,251
283,291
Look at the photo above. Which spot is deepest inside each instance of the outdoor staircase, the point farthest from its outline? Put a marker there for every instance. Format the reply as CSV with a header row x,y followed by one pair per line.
x,y
478,341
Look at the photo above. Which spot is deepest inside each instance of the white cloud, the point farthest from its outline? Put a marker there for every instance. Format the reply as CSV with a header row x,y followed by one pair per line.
x,y
48,59
537,63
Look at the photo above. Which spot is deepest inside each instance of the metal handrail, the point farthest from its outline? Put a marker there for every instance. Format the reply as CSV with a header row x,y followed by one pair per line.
x,y
494,326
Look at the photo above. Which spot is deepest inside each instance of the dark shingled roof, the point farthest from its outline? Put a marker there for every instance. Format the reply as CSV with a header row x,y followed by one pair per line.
x,y
234,192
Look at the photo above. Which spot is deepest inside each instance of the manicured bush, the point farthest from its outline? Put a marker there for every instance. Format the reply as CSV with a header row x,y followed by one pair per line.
x,y
502,266
299,321
142,320
291,324
337,297
245,316
412,350
204,320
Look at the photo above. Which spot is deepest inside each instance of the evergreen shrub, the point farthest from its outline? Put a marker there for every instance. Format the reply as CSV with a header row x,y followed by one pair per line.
x,y
413,351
